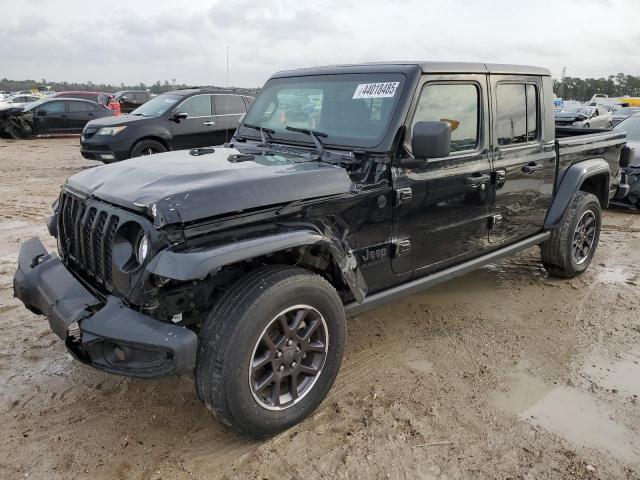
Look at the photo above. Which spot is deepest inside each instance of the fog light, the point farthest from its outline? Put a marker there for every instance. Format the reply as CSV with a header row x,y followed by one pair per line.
x,y
106,157
120,355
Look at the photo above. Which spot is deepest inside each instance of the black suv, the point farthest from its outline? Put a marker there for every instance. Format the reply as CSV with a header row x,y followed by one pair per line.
x,y
131,99
172,121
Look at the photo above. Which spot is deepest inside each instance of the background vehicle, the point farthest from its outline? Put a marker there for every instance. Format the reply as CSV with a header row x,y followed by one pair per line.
x,y
129,100
622,113
18,101
177,120
631,126
345,187
52,115
105,99
587,117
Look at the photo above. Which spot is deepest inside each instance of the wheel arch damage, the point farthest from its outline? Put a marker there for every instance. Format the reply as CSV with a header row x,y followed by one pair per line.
x,y
198,263
592,176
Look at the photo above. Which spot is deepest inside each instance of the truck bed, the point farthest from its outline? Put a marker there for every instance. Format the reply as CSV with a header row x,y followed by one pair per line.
x,y
575,144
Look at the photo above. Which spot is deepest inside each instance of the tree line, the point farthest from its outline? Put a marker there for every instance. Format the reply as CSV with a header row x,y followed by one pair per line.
x,y
584,88
44,85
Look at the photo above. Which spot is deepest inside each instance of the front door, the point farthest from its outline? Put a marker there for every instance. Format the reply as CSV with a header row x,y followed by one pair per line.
x,y
197,129
51,117
524,159
442,208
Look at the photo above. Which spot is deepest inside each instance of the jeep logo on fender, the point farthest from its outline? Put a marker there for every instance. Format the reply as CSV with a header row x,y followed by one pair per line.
x,y
373,254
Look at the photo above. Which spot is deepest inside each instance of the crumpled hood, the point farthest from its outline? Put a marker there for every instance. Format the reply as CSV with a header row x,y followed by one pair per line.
x,y
178,187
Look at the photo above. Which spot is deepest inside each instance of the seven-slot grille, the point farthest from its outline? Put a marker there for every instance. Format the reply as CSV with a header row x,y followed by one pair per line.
x,y
86,237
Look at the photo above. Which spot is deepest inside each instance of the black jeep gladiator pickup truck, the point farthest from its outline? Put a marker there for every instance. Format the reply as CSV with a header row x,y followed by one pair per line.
x,y
344,187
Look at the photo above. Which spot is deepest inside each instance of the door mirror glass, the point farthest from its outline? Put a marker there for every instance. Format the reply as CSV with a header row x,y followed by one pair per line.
x,y
179,116
431,140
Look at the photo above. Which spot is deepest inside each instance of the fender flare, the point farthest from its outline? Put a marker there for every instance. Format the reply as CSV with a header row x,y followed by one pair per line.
x,y
198,263
573,178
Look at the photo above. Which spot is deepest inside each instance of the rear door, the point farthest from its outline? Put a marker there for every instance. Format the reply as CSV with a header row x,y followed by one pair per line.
x,y
442,208
79,113
523,159
199,128
229,110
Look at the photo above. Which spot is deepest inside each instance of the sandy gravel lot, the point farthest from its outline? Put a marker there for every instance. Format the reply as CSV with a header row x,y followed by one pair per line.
x,y
502,374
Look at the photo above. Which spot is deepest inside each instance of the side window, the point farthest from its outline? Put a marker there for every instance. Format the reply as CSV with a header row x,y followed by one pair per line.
x,y
80,107
532,112
127,97
140,97
517,115
456,104
52,107
197,106
229,105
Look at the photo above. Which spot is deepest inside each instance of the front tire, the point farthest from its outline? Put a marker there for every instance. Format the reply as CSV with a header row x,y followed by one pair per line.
x,y
270,350
570,249
147,147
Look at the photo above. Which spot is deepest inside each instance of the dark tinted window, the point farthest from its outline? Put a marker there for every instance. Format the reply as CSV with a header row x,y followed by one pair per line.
x,y
229,104
52,107
197,106
455,104
517,115
81,107
126,97
140,97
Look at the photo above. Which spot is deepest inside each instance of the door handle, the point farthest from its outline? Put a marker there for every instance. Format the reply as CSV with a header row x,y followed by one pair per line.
x,y
532,167
477,180
209,123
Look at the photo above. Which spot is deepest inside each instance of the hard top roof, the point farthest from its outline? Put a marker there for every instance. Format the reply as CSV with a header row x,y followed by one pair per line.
x,y
425,67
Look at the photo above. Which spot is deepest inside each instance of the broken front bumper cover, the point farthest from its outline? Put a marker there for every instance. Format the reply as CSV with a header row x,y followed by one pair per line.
x,y
108,336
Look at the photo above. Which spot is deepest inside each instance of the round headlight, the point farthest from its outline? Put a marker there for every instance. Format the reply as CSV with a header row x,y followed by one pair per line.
x,y
143,249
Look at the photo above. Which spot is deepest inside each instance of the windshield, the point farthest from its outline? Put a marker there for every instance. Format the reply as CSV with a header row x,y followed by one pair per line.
x,y
352,110
585,111
571,110
157,106
631,125
32,105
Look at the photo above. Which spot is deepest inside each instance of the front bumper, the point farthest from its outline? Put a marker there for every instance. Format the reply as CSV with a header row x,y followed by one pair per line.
x,y
106,335
104,148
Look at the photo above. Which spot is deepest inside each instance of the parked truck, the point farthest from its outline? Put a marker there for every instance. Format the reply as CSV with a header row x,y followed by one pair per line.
x,y
344,188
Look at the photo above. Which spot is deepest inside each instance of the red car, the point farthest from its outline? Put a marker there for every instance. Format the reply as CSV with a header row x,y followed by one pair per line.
x,y
105,99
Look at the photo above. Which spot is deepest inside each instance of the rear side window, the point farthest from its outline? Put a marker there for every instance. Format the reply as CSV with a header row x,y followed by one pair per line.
x,y
197,106
140,97
517,115
81,107
229,105
455,104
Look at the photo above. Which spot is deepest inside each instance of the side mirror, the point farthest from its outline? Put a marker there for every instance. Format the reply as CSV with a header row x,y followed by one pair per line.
x,y
429,140
176,117
42,113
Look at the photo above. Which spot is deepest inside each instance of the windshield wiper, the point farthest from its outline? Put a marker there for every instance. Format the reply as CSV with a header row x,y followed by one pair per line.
x,y
262,131
315,135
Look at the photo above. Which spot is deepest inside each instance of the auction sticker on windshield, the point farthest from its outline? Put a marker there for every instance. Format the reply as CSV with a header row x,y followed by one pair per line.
x,y
376,90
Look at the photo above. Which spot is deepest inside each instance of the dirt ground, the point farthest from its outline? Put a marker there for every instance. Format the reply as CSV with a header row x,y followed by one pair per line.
x,y
502,374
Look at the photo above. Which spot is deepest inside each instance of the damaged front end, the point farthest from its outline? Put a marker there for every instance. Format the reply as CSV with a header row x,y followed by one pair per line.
x,y
15,123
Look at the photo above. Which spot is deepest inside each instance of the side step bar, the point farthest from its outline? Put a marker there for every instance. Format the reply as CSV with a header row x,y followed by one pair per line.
x,y
422,283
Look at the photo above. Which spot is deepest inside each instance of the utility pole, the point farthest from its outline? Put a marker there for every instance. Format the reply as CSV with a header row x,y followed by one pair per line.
x,y
227,66
564,74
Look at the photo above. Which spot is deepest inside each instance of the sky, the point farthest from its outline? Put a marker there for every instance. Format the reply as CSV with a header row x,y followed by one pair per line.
x,y
147,40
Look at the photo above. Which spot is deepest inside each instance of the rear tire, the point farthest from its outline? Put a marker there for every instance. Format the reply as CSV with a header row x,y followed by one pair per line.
x,y
570,249
147,147
253,355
